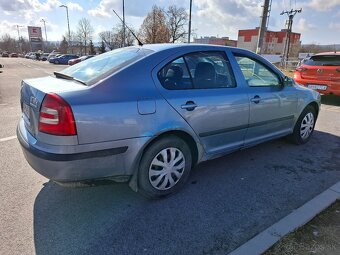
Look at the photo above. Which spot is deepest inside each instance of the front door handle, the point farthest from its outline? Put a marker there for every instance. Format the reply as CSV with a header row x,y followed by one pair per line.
x,y
189,106
256,99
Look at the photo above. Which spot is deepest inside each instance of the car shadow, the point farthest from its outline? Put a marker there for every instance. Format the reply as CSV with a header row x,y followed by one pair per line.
x,y
330,100
226,201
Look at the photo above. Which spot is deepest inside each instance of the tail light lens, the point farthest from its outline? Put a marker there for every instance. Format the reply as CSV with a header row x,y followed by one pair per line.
x,y
301,69
56,117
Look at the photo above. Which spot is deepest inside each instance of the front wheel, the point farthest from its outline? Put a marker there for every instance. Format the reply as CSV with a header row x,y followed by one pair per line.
x,y
304,126
164,168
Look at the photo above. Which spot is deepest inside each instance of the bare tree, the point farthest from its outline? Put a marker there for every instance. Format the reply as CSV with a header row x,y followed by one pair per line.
x,y
114,39
177,22
154,28
84,32
8,43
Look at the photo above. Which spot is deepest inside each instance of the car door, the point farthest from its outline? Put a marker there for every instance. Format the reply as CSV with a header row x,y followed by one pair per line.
x,y
201,87
272,105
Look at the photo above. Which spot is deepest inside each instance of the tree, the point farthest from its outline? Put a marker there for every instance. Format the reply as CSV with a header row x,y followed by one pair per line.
x,y
8,43
114,38
84,32
102,47
154,28
177,22
92,50
63,47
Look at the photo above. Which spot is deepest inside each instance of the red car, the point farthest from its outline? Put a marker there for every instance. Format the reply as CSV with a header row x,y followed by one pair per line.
x,y
77,60
321,72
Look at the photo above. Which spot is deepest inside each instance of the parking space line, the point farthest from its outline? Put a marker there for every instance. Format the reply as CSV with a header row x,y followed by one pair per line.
x,y
8,138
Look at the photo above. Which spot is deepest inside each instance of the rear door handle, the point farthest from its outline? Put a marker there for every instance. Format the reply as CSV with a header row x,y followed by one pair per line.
x,y
256,99
189,106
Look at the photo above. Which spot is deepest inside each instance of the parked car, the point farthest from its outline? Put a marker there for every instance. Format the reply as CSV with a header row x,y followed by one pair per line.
x,y
77,60
53,54
148,114
63,59
13,55
320,72
44,56
5,55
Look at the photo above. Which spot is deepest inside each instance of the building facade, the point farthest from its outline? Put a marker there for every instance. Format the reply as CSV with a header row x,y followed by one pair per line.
x,y
274,41
225,41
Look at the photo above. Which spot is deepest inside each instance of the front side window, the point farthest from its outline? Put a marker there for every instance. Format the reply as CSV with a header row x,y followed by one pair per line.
x,y
256,74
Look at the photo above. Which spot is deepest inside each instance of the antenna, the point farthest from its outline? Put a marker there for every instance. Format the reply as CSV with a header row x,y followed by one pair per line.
x,y
124,24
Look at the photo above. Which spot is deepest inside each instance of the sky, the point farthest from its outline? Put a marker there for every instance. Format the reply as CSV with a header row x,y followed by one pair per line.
x,y
319,21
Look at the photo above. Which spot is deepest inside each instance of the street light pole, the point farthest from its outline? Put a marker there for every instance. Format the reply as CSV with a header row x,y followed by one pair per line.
x,y
124,24
189,33
44,21
18,26
68,25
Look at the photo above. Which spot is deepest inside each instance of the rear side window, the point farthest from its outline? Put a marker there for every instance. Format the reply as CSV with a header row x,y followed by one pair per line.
x,y
323,60
199,70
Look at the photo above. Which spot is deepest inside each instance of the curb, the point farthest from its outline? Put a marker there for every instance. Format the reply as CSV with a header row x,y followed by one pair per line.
x,y
299,217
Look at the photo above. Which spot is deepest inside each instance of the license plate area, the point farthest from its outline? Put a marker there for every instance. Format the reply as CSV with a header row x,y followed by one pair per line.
x,y
315,86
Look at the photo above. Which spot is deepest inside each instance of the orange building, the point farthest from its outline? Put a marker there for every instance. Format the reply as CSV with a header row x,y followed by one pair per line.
x,y
274,42
225,41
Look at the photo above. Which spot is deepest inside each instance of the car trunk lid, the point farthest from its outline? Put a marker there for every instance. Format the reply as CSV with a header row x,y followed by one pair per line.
x,y
33,92
322,67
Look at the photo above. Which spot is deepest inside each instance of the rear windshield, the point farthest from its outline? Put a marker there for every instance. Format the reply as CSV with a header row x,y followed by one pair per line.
x,y
101,66
324,60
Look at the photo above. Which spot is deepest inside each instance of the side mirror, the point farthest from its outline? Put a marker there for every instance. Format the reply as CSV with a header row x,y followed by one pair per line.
x,y
287,81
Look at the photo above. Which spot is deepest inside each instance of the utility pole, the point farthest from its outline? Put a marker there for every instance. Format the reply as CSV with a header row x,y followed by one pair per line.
x,y
263,26
189,33
291,14
68,25
124,38
44,21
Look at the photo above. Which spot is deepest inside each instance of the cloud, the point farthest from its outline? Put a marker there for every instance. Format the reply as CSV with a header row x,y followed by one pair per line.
x,y
335,26
133,8
226,19
304,26
322,5
74,7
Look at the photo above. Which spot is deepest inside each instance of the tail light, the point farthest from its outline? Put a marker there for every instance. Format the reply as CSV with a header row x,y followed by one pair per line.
x,y
56,117
301,69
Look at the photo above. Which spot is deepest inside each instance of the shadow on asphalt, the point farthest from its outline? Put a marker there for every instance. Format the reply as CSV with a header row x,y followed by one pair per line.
x,y
226,202
330,100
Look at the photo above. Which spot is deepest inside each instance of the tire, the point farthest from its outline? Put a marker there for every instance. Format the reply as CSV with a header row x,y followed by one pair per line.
x,y
56,62
304,126
171,157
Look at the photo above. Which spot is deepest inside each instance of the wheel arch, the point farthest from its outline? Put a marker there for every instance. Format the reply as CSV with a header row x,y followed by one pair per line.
x,y
195,148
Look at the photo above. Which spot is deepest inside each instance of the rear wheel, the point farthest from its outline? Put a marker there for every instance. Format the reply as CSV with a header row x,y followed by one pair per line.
x,y
164,168
304,126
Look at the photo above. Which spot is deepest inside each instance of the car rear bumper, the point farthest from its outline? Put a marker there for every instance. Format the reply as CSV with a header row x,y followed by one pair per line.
x,y
332,87
115,162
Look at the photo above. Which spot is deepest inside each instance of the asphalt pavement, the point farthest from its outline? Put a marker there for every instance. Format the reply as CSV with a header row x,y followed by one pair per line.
x,y
226,202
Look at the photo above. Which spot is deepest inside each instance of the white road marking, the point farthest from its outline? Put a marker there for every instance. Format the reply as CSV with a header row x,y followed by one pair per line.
x,y
8,138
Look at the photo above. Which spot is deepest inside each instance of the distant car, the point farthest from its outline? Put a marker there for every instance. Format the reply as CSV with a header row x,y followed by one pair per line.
x,y
320,72
53,54
44,56
148,114
63,59
13,55
77,60
5,55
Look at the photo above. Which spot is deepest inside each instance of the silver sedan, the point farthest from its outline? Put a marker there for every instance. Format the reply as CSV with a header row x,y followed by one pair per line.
x,y
146,115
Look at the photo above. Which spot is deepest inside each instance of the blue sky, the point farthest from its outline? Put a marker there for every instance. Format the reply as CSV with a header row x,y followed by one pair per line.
x,y
318,23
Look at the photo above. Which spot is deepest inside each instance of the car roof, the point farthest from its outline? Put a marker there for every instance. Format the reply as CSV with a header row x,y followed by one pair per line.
x,y
328,53
191,46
